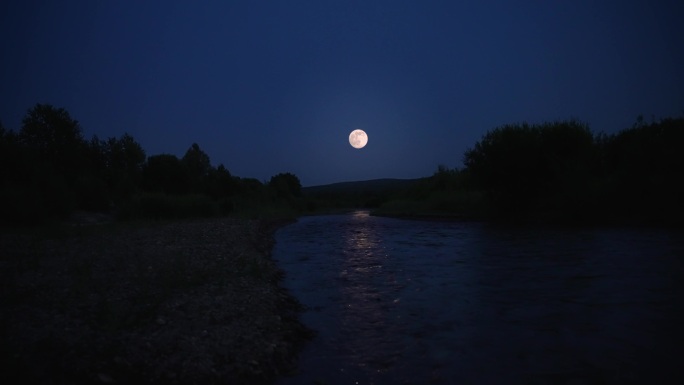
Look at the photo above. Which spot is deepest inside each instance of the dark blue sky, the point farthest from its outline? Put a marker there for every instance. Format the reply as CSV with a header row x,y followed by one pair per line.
x,y
276,86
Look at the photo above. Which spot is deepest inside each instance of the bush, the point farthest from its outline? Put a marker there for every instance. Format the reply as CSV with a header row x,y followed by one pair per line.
x,y
519,166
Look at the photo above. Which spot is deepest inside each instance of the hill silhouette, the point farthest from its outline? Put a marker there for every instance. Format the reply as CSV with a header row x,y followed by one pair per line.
x,y
354,194
372,185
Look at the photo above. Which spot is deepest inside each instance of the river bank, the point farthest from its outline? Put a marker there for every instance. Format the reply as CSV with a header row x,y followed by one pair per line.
x,y
176,303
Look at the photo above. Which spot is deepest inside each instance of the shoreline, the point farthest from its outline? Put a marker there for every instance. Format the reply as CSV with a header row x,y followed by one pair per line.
x,y
599,222
196,301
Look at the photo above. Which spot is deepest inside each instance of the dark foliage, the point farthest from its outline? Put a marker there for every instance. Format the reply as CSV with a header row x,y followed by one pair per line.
x,y
524,167
165,173
52,137
197,167
48,170
557,171
642,169
220,184
285,185
352,195
43,166
446,193
119,164
561,171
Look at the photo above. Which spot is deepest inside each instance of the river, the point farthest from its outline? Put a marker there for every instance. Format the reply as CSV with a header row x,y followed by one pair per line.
x,y
425,302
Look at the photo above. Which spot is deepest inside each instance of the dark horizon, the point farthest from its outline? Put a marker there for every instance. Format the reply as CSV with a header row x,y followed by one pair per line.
x,y
277,88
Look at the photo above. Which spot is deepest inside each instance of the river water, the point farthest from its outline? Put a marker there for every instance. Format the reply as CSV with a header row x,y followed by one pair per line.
x,y
418,302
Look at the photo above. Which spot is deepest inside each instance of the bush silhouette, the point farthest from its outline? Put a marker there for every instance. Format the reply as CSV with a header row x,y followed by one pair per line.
x,y
285,185
562,170
557,170
197,166
165,173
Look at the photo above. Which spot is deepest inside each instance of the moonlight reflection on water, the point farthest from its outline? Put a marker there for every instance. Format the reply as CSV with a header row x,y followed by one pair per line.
x,y
398,301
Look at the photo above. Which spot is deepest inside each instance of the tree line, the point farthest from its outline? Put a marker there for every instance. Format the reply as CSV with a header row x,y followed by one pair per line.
x,y
554,171
561,171
48,170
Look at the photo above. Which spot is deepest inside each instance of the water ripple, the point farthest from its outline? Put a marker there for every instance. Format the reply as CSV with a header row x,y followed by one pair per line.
x,y
431,302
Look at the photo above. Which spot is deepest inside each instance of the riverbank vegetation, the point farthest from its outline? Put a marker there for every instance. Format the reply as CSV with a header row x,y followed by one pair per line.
x,y
559,172
49,171
118,267
555,171
169,298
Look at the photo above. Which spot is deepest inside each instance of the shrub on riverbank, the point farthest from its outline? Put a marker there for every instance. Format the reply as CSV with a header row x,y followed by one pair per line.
x,y
559,172
48,170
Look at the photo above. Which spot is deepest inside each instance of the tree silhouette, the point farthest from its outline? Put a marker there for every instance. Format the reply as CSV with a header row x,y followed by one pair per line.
x,y
165,173
522,167
643,167
507,163
10,157
121,161
220,184
198,165
48,169
53,137
285,185
54,163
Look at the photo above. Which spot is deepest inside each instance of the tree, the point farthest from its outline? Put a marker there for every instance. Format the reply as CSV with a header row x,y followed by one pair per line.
x,y
197,165
521,165
445,178
507,163
55,164
10,156
643,167
125,154
165,173
285,185
123,164
220,184
53,137
569,150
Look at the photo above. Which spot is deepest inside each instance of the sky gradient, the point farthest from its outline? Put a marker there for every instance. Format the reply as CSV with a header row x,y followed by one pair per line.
x,y
277,86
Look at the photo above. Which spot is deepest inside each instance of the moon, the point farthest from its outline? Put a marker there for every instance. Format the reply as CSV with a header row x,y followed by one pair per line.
x,y
358,138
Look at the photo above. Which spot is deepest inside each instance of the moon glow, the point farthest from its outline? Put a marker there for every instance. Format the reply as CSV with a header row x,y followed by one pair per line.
x,y
358,138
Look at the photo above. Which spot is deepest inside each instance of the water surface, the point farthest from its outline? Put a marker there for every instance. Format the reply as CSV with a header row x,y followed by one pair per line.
x,y
415,302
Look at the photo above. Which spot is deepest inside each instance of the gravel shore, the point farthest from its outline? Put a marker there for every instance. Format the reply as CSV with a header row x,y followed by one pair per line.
x,y
191,302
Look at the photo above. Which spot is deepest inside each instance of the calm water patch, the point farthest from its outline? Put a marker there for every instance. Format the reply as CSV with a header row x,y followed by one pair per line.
x,y
414,302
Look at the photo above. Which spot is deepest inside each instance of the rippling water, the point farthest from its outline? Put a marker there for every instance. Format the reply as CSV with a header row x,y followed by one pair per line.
x,y
415,302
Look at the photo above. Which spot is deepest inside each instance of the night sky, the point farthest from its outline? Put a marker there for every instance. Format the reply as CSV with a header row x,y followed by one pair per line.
x,y
276,86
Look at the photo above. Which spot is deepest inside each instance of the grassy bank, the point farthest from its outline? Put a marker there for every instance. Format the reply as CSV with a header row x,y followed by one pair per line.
x,y
195,301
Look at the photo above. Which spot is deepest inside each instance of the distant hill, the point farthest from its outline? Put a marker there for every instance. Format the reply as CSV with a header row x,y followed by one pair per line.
x,y
365,186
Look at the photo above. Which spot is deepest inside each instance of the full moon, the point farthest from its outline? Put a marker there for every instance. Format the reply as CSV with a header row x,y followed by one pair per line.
x,y
358,138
